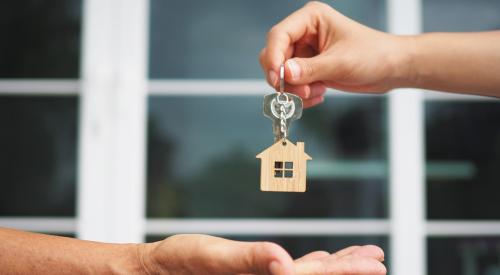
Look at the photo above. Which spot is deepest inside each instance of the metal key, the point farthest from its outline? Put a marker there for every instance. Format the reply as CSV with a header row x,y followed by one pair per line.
x,y
271,109
282,108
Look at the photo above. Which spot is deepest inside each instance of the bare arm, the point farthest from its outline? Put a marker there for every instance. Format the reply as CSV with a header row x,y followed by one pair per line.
x,y
323,48
457,62
30,253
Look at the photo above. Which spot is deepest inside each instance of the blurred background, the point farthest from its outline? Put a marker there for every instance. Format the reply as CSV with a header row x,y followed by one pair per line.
x,y
201,127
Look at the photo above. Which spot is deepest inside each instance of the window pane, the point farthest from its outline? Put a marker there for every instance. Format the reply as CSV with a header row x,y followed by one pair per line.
x,y
201,158
463,156
301,245
41,39
461,15
38,159
463,256
222,39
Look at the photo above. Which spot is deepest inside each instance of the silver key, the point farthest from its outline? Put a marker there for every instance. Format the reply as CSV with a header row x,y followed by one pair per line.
x,y
272,110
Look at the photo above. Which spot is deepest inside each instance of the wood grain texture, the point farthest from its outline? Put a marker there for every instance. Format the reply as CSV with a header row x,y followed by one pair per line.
x,y
283,151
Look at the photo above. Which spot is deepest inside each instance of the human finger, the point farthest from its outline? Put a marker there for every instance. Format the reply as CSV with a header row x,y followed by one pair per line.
x,y
353,264
256,258
370,251
287,32
313,101
204,254
316,255
305,70
307,91
272,75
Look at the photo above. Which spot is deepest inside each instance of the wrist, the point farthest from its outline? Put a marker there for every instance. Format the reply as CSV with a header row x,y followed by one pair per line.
x,y
131,259
405,69
145,258
125,260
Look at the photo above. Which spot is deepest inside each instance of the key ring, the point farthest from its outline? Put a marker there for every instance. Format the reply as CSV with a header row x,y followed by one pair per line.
x,y
282,87
281,101
282,78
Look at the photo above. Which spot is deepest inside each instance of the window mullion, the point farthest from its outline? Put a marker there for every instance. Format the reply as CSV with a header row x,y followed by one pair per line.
x,y
406,158
112,134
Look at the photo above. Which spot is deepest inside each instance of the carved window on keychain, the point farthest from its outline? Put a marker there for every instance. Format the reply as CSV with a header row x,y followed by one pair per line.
x,y
281,171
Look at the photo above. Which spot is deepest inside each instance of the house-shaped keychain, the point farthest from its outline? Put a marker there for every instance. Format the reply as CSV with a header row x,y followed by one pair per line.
x,y
283,167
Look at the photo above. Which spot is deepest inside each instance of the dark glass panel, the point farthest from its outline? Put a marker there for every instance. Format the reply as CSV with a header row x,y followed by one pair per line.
x,y
38,142
463,156
463,256
222,39
40,38
201,159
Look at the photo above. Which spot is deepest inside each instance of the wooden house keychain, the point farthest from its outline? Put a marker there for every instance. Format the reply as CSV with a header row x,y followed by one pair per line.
x,y
284,164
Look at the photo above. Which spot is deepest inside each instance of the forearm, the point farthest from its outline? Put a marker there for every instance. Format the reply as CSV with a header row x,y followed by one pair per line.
x,y
456,62
30,253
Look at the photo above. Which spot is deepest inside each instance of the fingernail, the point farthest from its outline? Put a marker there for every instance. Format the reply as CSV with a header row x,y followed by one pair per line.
x,y
274,268
272,77
294,68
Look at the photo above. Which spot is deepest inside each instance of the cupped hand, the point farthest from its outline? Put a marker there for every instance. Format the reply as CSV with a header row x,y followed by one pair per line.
x,y
202,254
323,48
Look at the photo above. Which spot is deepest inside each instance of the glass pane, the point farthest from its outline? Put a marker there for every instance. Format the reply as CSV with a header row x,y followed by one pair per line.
x,y
464,256
41,38
301,245
463,156
461,15
222,39
38,159
201,158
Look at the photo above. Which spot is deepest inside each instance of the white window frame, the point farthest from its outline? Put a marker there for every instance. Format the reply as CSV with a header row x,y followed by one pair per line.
x,y
406,157
111,190
113,93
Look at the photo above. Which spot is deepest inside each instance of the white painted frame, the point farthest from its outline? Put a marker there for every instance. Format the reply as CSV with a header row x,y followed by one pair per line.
x,y
111,189
406,157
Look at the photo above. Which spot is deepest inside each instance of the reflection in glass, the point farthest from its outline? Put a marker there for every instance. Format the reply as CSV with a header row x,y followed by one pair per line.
x,y
201,158
463,146
298,246
222,39
461,15
40,39
38,159
464,256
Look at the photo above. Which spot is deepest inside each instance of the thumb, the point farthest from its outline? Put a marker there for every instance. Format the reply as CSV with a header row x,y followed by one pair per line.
x,y
256,258
303,71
